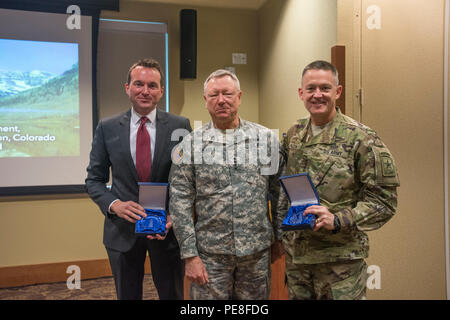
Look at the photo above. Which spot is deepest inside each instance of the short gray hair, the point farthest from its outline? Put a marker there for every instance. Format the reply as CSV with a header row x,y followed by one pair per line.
x,y
322,65
219,74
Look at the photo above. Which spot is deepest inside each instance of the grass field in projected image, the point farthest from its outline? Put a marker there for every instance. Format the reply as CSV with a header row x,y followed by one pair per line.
x,y
43,121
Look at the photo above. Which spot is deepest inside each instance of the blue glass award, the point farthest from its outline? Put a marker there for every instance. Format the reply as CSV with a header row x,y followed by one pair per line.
x,y
301,194
153,197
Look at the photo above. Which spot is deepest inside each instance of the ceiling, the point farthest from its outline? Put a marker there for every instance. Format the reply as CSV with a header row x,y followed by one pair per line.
x,y
242,4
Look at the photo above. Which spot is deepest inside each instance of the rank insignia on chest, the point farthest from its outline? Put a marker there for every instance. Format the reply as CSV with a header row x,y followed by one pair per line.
x,y
301,194
153,197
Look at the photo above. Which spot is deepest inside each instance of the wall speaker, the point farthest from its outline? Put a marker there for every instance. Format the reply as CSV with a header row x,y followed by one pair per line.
x,y
188,44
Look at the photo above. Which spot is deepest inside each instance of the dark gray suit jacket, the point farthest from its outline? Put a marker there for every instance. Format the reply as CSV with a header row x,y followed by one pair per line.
x,y
111,149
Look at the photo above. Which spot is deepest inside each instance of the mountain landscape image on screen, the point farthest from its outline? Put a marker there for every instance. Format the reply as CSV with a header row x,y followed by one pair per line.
x,y
13,82
39,113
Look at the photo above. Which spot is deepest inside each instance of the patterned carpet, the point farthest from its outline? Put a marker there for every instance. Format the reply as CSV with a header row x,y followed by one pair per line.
x,y
93,289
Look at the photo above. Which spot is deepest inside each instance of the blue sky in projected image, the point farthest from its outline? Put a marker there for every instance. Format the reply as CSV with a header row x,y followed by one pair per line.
x,y
24,55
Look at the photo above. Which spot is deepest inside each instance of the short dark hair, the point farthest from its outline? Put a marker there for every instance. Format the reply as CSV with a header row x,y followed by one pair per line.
x,y
322,65
147,63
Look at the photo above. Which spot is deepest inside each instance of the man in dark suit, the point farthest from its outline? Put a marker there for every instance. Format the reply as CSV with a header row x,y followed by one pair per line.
x,y
117,146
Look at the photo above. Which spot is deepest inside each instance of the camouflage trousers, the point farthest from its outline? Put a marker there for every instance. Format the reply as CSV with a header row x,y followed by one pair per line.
x,y
344,280
237,278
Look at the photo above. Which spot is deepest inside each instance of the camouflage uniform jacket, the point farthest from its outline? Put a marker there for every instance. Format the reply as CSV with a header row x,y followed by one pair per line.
x,y
356,179
219,205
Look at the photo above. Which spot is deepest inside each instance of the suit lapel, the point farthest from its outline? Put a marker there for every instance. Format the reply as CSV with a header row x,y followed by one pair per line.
x,y
161,140
124,135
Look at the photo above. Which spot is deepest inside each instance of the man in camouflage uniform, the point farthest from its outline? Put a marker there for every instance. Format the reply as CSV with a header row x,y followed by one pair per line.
x,y
356,179
221,176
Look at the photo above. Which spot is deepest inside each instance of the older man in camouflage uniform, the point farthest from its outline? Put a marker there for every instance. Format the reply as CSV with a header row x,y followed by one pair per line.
x,y
356,179
223,173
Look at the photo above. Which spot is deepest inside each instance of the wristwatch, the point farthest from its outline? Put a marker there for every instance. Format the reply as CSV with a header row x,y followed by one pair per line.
x,y
337,224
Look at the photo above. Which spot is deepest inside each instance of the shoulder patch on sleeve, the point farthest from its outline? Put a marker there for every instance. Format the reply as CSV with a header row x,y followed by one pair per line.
x,y
387,165
385,169
177,154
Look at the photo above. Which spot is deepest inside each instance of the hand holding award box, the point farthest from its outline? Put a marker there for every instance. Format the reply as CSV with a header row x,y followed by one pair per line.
x,y
301,194
153,197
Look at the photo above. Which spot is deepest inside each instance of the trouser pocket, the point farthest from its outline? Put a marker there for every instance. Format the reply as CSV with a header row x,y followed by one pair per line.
x,y
354,286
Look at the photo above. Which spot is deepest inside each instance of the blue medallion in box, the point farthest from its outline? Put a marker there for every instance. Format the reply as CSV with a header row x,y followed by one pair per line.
x,y
153,197
301,194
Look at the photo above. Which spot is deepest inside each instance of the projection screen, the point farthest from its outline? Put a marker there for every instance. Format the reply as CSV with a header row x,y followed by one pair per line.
x,y
45,100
